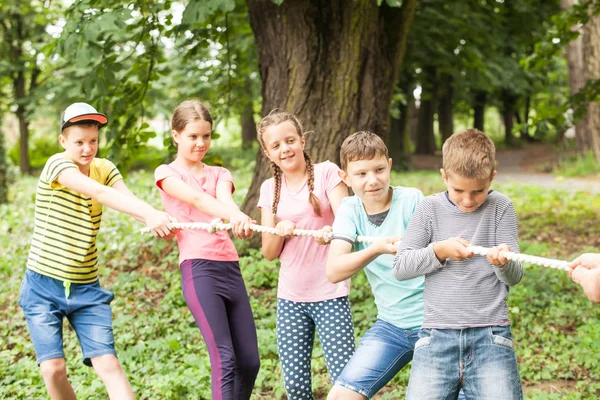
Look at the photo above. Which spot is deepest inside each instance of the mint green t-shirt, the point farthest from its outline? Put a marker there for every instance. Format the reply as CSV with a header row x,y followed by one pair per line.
x,y
398,302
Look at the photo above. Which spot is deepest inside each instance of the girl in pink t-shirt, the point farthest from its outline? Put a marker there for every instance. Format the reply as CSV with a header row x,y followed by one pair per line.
x,y
305,195
213,287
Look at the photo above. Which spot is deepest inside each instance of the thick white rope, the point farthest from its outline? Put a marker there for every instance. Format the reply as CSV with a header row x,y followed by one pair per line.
x,y
544,262
218,225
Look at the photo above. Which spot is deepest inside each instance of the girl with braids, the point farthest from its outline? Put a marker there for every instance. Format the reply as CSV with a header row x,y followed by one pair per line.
x,y
306,195
212,283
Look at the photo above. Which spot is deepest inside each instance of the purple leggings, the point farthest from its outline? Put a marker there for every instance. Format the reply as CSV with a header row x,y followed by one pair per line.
x,y
215,294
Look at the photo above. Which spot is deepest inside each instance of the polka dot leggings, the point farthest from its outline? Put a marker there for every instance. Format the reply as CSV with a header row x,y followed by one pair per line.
x,y
296,322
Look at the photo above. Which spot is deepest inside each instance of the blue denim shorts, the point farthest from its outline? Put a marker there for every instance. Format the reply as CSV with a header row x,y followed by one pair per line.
x,y
480,360
383,351
44,302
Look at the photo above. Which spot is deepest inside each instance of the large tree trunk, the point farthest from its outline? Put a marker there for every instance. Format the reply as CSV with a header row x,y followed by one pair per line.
x,y
591,58
479,110
331,63
248,125
445,107
576,74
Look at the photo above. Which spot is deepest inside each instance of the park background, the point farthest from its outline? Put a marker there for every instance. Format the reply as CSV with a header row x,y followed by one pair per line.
x,y
526,72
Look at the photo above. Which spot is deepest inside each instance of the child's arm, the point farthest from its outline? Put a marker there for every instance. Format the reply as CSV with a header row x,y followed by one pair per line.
x,y
157,221
343,264
272,245
203,202
240,222
585,271
509,272
417,255
335,196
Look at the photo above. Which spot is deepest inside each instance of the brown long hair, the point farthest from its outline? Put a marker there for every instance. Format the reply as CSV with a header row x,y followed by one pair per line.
x,y
277,117
189,111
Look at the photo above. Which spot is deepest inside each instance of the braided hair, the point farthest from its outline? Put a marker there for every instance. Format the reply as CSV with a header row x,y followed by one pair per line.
x,y
277,117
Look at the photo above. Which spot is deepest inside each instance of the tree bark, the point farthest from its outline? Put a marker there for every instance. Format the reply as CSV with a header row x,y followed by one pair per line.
x,y
574,53
330,63
445,107
591,58
479,110
15,39
3,164
508,116
248,125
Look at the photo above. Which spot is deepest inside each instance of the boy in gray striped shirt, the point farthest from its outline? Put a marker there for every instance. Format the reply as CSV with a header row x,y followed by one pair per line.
x,y
465,341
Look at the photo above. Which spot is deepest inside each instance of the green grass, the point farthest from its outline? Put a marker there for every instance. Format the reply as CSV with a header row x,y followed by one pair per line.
x,y
556,330
578,166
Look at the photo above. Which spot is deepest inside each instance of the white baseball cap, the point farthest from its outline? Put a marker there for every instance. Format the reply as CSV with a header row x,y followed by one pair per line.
x,y
78,113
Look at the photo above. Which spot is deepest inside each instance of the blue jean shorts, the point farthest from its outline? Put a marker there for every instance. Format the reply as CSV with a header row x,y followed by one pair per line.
x,y
480,360
383,351
44,302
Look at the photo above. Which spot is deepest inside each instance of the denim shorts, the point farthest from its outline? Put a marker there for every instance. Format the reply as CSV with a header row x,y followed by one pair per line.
x,y
480,360
383,351
44,302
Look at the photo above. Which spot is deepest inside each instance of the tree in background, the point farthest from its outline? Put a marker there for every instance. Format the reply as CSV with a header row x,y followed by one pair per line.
x,y
23,34
591,61
577,28
331,63
3,158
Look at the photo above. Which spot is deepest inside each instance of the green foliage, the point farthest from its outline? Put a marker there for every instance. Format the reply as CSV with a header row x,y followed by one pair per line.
x,y
550,45
40,149
585,165
556,330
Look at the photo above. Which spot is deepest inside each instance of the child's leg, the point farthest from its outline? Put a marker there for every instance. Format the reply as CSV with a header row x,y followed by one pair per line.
x,y
243,334
109,370
336,332
206,292
383,351
54,372
295,339
91,317
43,302
436,369
491,370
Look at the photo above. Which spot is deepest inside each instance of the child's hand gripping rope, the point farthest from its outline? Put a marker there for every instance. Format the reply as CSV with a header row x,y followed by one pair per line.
x,y
218,225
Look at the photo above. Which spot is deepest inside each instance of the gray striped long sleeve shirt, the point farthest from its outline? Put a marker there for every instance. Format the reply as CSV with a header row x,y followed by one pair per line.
x,y
461,294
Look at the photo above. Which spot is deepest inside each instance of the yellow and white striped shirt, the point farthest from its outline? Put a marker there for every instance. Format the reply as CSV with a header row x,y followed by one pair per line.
x,y
67,222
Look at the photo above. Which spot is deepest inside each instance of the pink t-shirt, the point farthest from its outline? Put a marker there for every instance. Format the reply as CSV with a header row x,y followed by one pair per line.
x,y
196,243
303,275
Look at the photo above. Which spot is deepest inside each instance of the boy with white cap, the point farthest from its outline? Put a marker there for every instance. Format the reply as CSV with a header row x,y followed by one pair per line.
x,y
61,278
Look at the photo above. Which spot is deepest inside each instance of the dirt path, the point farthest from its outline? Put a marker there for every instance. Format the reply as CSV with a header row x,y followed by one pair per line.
x,y
523,166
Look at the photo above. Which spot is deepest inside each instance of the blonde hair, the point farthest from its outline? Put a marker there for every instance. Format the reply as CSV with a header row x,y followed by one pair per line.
x,y
361,145
469,154
189,111
274,118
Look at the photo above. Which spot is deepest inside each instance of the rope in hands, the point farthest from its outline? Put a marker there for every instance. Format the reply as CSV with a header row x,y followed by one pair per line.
x,y
218,225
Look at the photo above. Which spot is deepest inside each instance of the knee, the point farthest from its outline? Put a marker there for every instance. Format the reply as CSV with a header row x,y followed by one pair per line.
x,y
54,369
341,393
250,367
106,365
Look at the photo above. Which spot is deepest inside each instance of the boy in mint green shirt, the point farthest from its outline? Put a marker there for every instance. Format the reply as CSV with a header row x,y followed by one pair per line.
x,y
376,209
